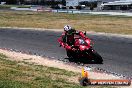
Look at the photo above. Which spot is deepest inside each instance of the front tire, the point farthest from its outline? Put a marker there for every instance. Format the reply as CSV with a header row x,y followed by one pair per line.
x,y
96,57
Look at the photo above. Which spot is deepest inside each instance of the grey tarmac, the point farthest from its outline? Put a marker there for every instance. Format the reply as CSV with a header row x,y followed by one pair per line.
x,y
116,51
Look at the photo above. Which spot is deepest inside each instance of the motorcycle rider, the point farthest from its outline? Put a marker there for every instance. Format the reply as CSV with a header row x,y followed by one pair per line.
x,y
68,36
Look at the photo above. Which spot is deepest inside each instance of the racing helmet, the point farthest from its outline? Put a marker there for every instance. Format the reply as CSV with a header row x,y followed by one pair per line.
x,y
67,28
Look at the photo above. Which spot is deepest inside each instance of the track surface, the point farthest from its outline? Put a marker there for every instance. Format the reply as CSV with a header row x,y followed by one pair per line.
x,y
116,52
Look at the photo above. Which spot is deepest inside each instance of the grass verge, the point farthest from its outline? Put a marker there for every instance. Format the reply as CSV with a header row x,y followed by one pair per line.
x,y
9,6
24,75
98,23
14,74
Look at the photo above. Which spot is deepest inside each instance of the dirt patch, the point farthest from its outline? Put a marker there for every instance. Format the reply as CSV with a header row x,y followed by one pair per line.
x,y
38,60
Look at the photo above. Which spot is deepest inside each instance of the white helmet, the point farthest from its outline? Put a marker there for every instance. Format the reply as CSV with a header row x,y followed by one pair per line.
x,y
67,28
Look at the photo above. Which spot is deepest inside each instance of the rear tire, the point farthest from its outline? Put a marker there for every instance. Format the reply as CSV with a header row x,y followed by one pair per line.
x,y
69,53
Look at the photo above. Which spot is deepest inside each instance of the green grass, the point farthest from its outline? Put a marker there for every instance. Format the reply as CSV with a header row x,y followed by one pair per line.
x,y
14,75
9,6
98,23
27,75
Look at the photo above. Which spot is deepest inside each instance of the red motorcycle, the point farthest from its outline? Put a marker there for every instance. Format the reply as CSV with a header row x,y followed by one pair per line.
x,y
82,48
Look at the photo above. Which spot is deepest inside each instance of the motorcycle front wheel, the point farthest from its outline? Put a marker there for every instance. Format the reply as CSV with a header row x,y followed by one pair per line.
x,y
96,57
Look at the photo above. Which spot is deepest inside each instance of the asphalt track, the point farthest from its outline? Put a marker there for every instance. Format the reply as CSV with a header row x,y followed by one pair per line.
x,y
116,51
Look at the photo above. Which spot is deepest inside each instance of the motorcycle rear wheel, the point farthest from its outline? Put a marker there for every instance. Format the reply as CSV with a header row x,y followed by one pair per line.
x,y
69,53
